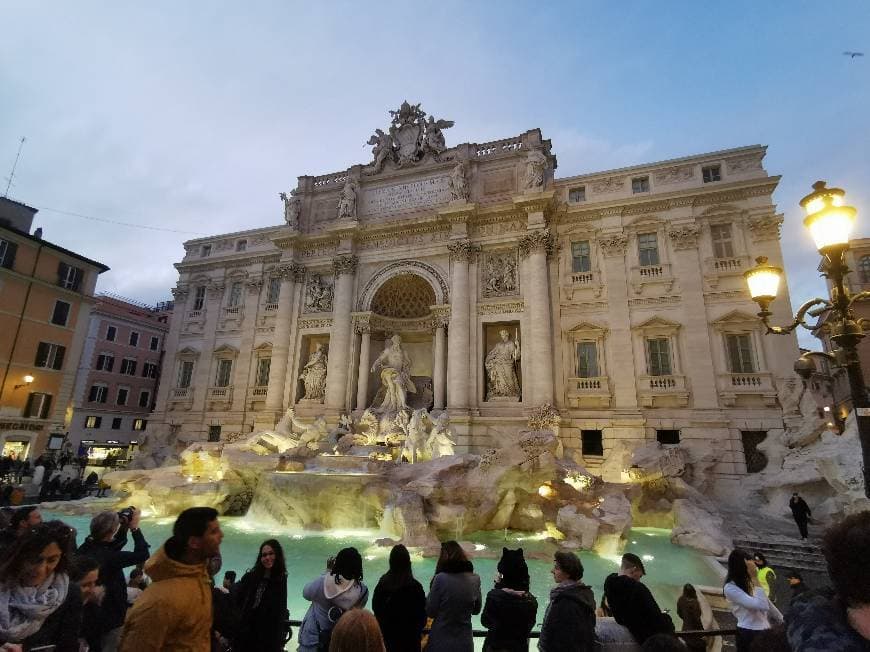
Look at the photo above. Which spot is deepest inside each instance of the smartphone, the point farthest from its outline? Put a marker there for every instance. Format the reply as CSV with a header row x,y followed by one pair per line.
x,y
43,648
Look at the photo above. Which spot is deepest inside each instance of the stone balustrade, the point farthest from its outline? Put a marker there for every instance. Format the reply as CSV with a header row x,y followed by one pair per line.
x,y
499,147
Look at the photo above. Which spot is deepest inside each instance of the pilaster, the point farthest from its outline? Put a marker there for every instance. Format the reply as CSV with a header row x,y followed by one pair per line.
x,y
344,268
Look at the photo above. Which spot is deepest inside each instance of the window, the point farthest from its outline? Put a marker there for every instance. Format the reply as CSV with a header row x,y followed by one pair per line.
x,y
214,433
111,333
274,290
668,437
648,249
98,393
116,423
224,369
199,297
205,251
587,360
740,357
93,422
149,370
756,460
144,398
38,405
640,184
60,314
185,373
69,277
235,295
864,269
711,173
580,258
154,343
49,356
723,246
123,393
658,356
577,194
134,338
128,366
241,245
264,365
139,424
7,253
105,362
591,442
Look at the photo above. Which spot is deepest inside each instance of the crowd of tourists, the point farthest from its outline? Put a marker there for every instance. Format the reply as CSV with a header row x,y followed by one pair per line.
x,y
59,597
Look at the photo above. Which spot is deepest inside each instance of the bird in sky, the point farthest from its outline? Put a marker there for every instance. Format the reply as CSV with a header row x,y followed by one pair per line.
x,y
852,55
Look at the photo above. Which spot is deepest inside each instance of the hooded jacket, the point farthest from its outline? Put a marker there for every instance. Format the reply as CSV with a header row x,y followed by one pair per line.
x,y
325,593
174,612
509,615
634,607
816,622
569,622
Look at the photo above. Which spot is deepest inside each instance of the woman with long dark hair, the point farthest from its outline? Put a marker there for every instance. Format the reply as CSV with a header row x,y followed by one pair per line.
x,y
454,596
39,605
261,597
399,603
749,604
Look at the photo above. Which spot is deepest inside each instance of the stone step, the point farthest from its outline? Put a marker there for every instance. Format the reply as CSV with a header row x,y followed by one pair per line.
x,y
784,554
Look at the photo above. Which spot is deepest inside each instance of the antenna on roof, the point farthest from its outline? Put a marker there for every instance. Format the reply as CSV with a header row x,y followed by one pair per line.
x,y
14,165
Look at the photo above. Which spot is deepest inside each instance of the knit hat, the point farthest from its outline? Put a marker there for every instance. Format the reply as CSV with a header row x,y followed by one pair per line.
x,y
514,570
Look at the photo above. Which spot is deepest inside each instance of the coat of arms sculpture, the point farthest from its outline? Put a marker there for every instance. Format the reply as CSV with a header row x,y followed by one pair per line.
x,y
410,139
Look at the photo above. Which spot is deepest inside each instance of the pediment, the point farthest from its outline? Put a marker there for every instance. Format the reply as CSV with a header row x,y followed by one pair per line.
x,y
263,346
657,322
736,318
188,352
587,327
226,349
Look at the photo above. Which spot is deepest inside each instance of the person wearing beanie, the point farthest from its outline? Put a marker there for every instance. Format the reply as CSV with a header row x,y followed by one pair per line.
x,y
510,610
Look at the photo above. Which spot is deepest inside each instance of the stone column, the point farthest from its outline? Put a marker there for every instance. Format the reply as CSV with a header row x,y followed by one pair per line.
x,y
291,273
535,249
458,351
362,388
344,267
439,367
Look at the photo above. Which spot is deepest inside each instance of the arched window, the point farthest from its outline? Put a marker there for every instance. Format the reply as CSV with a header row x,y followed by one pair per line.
x,y
864,269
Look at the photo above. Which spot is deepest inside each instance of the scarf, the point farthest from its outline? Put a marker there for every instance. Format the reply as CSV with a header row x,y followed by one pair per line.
x,y
23,609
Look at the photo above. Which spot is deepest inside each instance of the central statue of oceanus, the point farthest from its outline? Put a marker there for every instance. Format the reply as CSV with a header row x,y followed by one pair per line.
x,y
394,367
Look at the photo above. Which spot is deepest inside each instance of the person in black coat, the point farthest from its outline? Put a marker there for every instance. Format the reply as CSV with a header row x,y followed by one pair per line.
x,y
399,603
632,603
49,613
106,545
569,622
261,597
510,610
801,513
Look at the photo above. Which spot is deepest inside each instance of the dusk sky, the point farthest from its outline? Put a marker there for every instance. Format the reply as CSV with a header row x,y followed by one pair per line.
x,y
193,116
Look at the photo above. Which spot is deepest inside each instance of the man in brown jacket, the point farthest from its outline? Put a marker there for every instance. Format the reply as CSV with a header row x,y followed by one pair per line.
x,y
174,612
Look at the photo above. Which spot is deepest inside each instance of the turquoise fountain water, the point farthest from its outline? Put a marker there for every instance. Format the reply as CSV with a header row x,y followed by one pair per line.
x,y
668,566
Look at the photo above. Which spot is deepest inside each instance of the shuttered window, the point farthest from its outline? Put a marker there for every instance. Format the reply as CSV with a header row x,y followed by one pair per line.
x,y
38,405
658,356
740,354
7,254
49,356
69,277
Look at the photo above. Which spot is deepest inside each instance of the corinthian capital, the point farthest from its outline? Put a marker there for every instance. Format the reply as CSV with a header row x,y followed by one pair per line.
x,y
685,237
613,245
541,239
463,250
344,264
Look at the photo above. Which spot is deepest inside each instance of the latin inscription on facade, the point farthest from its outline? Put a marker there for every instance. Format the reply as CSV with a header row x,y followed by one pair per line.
x,y
405,196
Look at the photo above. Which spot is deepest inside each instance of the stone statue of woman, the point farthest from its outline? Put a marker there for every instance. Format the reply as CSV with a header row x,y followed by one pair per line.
x,y
501,374
347,200
314,374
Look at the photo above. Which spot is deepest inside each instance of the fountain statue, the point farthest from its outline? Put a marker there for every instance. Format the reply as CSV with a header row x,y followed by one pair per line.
x,y
394,367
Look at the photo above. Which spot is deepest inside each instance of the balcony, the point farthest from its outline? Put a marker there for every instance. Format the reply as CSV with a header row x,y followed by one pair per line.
x,y
194,315
257,393
232,311
652,275
271,307
758,384
589,392
222,394
181,394
662,391
716,269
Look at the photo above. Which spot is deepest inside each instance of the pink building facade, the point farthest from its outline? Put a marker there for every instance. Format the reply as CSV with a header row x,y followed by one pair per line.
x,y
118,376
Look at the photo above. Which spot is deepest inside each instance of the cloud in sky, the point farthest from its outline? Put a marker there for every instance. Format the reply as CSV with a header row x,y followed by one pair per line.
x,y
193,116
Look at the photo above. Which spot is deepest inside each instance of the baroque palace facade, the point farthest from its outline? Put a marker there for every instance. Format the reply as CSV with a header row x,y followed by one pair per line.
x,y
616,297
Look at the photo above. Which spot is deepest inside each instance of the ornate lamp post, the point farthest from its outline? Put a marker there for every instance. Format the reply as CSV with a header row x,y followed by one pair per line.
x,y
830,223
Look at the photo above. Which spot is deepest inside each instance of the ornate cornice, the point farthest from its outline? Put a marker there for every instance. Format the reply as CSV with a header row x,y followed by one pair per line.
x,y
685,237
180,292
613,245
541,239
362,323
765,227
345,264
463,250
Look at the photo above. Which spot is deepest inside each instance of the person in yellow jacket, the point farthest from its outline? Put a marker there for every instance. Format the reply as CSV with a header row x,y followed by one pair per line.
x,y
174,612
766,576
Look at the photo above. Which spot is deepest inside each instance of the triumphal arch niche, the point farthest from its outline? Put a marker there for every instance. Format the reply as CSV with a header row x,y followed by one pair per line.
x,y
467,279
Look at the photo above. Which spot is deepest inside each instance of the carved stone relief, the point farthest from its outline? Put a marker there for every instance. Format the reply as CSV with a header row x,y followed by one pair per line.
x,y
608,185
675,174
685,237
765,227
745,163
318,295
499,274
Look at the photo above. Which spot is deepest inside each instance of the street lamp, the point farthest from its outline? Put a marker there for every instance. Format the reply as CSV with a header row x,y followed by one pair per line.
x,y
28,379
830,223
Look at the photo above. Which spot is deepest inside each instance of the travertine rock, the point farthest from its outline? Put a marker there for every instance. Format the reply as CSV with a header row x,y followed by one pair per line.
x,y
698,528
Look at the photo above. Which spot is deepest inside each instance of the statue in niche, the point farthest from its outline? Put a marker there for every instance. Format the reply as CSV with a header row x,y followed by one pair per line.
x,y
394,368
536,164
458,182
313,374
501,373
318,297
347,200
292,208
